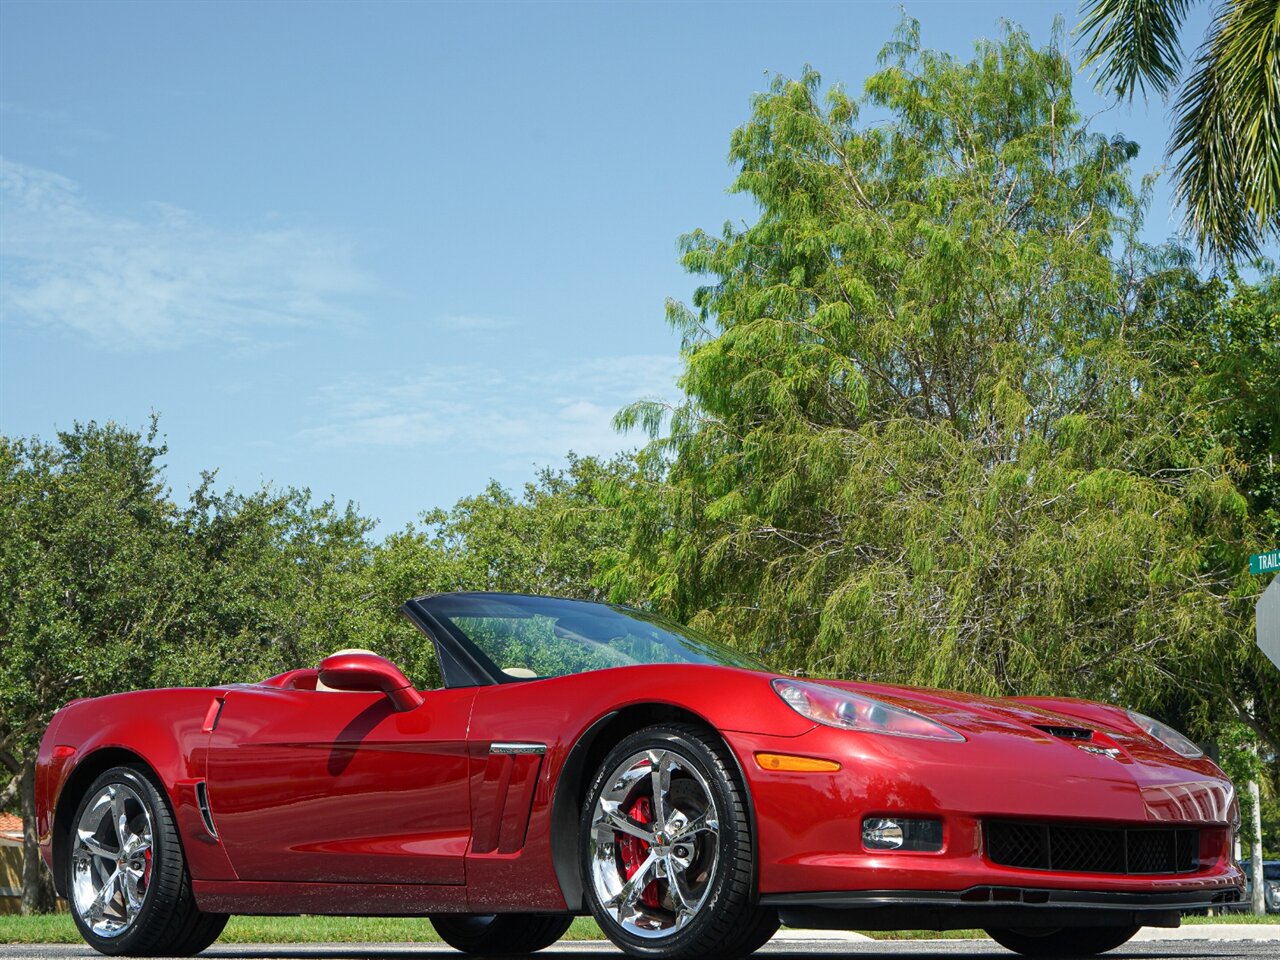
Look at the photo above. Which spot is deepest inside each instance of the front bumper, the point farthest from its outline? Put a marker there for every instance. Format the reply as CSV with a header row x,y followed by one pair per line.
x,y
989,906
809,828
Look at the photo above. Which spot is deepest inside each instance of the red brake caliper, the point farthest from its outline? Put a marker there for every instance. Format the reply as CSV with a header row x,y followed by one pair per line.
x,y
634,850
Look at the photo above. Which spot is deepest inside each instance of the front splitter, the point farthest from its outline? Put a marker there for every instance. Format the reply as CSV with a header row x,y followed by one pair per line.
x,y
990,906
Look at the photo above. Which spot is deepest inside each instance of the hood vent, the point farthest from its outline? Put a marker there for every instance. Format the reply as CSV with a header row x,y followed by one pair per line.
x,y
1078,734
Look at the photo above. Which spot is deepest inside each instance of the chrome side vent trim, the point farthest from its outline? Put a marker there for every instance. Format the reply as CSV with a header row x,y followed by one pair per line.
x,y
515,749
202,801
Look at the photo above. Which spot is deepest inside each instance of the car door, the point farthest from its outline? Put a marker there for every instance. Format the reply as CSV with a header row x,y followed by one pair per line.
x,y
339,787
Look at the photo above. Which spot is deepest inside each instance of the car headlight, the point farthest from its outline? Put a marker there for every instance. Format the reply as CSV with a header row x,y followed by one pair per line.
x,y
1170,737
851,711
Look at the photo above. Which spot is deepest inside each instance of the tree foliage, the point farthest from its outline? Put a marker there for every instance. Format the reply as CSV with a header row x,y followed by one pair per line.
x,y
92,582
108,584
1217,351
553,539
928,437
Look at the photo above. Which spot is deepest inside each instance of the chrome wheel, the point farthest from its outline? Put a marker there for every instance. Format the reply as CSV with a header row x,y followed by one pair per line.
x,y
111,860
654,843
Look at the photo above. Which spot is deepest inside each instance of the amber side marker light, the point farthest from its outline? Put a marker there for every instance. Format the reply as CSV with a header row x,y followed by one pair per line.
x,y
792,764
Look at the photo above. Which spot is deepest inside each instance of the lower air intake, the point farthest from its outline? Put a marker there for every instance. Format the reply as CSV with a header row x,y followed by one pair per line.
x,y
1090,848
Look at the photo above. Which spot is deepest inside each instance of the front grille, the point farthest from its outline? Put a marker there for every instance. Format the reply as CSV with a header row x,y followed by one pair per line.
x,y
1087,848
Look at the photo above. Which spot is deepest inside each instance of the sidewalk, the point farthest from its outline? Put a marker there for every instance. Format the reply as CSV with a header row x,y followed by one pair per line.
x,y
1213,931
1196,931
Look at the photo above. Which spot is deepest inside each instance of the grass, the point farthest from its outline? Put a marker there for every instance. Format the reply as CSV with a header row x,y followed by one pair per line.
x,y
1236,918
58,928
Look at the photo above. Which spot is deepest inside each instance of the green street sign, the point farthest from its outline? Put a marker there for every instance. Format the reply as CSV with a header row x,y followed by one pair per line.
x,y
1268,562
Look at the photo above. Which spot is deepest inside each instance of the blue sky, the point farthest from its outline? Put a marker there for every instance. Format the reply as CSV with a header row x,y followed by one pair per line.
x,y
389,251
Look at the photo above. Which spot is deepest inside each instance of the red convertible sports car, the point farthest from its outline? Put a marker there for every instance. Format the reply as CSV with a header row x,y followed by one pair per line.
x,y
589,758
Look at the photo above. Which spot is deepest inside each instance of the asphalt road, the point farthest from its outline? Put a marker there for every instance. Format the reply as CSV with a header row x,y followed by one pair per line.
x,y
878,950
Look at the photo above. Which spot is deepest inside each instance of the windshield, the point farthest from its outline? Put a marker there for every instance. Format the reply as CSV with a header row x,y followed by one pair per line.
x,y
528,637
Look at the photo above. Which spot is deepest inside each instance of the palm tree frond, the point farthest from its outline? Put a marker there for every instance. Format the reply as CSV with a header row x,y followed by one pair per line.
x,y
1250,58
1226,139
1134,43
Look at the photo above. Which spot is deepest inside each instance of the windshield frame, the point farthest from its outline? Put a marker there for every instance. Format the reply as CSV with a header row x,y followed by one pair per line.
x,y
464,664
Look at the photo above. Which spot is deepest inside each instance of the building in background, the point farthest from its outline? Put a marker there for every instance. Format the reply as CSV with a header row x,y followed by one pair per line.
x,y
10,863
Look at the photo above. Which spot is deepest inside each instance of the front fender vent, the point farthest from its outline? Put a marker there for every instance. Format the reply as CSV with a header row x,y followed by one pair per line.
x,y
206,814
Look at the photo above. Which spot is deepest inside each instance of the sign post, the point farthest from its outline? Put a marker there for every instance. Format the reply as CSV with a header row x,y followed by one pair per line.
x,y
1268,625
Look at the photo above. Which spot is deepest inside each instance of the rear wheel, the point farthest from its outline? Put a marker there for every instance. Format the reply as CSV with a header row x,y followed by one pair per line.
x,y
667,852
127,879
1062,941
501,933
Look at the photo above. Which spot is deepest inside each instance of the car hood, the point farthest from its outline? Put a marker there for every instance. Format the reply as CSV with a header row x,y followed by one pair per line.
x,y
1075,740
978,716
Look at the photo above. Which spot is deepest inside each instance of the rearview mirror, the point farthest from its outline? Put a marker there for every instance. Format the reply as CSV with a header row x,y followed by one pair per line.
x,y
357,672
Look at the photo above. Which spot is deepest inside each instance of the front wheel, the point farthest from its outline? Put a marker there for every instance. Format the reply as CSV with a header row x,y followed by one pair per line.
x,y
498,934
127,879
668,857
1062,941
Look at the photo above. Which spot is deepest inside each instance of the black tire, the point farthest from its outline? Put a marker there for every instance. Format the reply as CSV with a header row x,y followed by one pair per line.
x,y
765,926
167,922
1062,941
499,934
727,922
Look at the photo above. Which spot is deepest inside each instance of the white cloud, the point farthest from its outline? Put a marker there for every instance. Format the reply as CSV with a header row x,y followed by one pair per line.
x,y
534,416
472,323
160,278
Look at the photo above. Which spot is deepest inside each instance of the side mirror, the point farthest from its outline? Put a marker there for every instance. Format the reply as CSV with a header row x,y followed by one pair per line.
x,y
367,672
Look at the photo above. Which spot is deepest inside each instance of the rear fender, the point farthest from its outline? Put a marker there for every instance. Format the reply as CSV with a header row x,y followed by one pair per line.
x,y
161,730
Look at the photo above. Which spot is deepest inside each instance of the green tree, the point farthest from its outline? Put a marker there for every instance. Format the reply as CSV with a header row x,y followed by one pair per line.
x,y
555,538
1226,138
921,442
279,583
106,584
1216,349
90,584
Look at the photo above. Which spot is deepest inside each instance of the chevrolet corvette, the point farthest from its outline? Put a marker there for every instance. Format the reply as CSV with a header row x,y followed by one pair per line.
x,y
586,758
